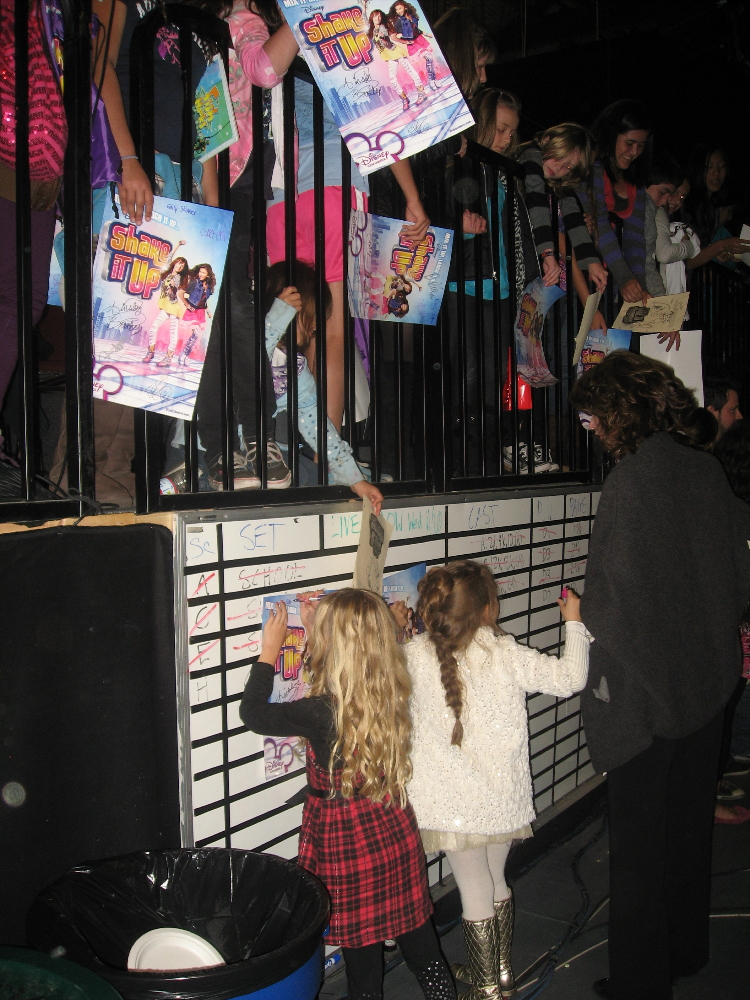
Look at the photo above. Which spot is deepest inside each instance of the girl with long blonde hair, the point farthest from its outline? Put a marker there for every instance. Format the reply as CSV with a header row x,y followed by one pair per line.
x,y
359,835
471,781
556,161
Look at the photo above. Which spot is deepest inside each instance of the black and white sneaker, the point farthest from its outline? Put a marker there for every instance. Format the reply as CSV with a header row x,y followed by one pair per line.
x,y
245,476
542,464
523,459
278,476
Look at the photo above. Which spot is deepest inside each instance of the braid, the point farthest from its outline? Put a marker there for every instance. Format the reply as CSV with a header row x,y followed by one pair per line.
x,y
452,602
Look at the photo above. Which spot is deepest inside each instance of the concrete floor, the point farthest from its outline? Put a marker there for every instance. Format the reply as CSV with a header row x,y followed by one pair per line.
x,y
547,899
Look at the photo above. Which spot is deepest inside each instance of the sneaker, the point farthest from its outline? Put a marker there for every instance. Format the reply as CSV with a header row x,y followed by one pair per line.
x,y
737,766
278,476
244,473
523,459
542,464
727,792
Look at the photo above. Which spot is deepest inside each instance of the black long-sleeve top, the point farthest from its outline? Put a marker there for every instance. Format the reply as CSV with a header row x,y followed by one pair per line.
x,y
309,718
667,581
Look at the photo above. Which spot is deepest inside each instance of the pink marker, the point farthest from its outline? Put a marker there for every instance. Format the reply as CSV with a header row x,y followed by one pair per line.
x,y
564,593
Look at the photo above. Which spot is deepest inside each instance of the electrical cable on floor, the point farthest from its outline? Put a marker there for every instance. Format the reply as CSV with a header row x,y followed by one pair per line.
x,y
576,926
586,913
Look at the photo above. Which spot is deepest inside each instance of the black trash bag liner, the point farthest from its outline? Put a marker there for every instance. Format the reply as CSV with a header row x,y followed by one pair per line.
x,y
265,915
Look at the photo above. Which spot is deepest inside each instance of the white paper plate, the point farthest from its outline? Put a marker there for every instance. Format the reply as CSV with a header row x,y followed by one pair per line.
x,y
170,948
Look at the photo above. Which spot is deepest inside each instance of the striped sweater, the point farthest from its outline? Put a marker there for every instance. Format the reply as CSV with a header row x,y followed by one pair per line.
x,y
537,194
628,261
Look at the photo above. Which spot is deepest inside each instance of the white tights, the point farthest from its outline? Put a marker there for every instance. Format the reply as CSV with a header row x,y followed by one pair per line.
x,y
155,329
480,877
393,74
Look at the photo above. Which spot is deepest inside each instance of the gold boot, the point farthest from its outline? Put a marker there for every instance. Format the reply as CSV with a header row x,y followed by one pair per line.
x,y
504,912
504,915
482,943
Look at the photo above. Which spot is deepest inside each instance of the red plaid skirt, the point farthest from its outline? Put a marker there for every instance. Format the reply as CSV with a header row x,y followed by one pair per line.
x,y
370,858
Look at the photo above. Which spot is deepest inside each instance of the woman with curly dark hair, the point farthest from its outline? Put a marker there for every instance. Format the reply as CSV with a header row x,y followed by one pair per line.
x,y
667,581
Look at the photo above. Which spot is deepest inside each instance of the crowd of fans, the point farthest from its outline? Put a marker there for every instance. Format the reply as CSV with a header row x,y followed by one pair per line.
x,y
633,216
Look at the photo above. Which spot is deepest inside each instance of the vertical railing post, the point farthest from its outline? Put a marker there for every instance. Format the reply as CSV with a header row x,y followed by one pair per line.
x,y
77,206
23,251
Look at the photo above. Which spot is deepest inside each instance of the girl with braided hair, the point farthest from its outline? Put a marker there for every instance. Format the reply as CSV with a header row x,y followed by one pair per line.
x,y
471,782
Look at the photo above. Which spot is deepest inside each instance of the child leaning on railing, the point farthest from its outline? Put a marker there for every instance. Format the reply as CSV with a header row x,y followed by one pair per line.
x,y
299,301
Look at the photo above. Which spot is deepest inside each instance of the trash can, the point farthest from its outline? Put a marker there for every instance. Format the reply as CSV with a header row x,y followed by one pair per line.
x,y
264,915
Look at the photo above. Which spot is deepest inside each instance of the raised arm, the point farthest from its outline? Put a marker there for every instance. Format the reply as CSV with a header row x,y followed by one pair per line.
x,y
136,196
561,676
264,58
415,212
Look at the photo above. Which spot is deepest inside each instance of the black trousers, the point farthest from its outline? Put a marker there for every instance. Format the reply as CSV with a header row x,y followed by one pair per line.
x,y
242,315
661,807
364,966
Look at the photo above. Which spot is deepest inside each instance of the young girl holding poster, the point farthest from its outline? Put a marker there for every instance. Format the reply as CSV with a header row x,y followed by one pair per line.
x,y
359,834
471,782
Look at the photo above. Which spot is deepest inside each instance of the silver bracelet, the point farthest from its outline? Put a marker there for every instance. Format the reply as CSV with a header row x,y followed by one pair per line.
x,y
132,157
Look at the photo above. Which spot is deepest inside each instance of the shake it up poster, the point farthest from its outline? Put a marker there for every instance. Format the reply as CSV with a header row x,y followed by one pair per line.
x,y
404,586
154,297
391,278
536,301
380,71
283,754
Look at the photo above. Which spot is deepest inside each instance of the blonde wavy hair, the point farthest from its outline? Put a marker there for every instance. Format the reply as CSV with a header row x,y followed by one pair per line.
x,y
560,141
355,660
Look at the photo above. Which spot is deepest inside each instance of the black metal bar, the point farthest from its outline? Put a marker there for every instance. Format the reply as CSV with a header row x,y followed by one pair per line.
x,y
259,270
321,352
79,405
348,430
290,217
23,250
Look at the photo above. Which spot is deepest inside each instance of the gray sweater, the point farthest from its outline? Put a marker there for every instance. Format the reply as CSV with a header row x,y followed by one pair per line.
x,y
667,580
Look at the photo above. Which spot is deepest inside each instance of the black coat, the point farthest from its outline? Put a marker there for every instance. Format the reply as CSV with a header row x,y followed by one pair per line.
x,y
667,580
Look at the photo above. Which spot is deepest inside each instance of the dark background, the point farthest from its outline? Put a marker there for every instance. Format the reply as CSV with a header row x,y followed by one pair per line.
x,y
688,60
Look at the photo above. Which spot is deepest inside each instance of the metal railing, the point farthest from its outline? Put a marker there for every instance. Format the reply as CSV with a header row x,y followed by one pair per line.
x,y
436,420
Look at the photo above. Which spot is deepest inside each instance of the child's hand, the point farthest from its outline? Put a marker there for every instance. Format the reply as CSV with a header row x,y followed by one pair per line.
x,y
599,323
672,339
598,274
307,611
420,222
550,270
570,606
364,489
473,223
136,196
292,297
274,633
398,610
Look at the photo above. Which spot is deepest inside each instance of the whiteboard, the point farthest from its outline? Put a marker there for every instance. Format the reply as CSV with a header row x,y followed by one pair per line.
x,y
228,562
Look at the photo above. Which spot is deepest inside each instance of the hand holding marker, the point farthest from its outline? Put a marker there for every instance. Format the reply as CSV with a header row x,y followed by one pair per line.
x,y
570,605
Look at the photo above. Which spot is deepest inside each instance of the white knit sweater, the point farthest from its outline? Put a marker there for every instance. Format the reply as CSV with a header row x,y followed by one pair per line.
x,y
484,786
